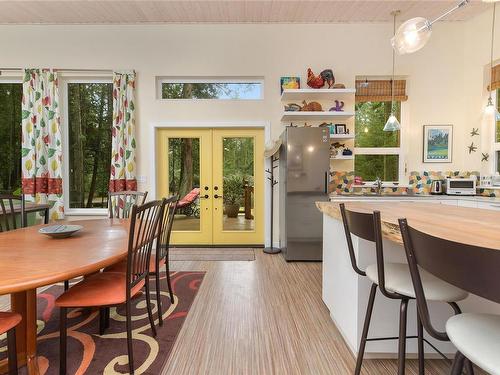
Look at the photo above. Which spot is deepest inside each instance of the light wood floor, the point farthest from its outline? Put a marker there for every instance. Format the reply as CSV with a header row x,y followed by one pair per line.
x,y
266,317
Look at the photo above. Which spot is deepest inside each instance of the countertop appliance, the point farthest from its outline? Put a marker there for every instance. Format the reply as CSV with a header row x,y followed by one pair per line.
x,y
461,186
304,168
437,187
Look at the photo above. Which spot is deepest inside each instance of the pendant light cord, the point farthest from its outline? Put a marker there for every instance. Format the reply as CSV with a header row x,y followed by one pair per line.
x,y
492,46
393,63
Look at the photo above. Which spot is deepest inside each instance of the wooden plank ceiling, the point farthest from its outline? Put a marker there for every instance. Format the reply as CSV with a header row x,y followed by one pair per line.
x,y
225,11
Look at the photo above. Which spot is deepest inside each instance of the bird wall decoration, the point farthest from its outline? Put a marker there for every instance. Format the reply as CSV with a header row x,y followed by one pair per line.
x,y
485,156
475,131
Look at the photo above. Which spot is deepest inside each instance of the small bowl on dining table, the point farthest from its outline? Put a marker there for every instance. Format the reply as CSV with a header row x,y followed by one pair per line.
x,y
60,230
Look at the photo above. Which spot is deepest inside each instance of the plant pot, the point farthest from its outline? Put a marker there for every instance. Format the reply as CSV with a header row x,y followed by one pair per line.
x,y
232,210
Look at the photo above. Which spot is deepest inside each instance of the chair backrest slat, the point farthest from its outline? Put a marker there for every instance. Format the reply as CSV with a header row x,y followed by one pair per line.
x,y
7,212
120,203
165,229
144,221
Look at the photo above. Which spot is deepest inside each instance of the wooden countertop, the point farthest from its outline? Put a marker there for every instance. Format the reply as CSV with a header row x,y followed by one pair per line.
x,y
472,226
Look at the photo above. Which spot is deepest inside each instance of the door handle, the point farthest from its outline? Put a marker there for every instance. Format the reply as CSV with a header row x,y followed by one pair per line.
x,y
216,196
204,196
326,182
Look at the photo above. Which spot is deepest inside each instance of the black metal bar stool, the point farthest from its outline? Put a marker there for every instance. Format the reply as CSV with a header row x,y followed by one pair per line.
x,y
394,282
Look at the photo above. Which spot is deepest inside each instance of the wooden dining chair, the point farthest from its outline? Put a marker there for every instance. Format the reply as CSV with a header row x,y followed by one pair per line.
x,y
106,289
7,213
121,202
471,268
160,257
8,323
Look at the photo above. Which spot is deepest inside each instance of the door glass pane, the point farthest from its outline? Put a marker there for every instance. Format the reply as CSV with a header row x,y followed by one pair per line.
x,y
184,181
238,183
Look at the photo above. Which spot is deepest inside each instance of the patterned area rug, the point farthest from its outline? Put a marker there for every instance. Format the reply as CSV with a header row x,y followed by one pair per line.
x,y
89,353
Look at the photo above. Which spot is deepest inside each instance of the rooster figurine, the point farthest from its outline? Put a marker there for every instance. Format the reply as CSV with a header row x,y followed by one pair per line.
x,y
317,82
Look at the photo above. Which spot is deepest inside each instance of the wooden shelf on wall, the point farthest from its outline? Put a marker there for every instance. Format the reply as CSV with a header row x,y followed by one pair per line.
x,y
315,116
341,136
315,94
343,157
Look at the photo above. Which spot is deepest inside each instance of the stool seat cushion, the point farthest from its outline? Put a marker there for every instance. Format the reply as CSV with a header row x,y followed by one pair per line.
x,y
101,289
8,320
398,280
477,336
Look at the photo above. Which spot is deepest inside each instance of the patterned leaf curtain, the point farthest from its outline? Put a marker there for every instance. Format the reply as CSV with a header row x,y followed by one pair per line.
x,y
42,140
123,146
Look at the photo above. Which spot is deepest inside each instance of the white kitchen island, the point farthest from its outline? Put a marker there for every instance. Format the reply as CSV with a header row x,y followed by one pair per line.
x,y
345,293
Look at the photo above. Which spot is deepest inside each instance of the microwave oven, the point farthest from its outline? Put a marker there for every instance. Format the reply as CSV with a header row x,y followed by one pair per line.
x,y
461,186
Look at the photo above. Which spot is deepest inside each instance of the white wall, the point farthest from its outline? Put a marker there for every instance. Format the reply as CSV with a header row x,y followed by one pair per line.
x,y
446,83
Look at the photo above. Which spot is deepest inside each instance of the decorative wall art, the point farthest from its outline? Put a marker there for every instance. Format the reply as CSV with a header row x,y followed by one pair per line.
x,y
340,129
289,83
438,142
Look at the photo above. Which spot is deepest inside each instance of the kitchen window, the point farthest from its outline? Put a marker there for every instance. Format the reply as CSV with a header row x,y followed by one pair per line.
x,y
211,88
11,93
377,153
87,120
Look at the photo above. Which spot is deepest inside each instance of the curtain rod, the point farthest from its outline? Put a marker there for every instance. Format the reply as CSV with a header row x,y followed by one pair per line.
x,y
62,70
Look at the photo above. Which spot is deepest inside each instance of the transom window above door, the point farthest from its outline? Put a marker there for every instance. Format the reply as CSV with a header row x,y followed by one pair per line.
x,y
243,88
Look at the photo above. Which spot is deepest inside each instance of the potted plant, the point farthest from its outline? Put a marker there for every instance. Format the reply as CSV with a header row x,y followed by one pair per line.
x,y
233,195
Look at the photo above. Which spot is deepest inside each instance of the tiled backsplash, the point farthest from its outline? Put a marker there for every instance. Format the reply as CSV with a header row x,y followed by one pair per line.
x,y
419,183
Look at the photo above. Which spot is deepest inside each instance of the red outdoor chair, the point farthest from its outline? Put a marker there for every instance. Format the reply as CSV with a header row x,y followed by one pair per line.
x,y
185,203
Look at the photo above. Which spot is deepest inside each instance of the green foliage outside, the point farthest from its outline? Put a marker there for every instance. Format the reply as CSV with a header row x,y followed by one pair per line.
x,y
90,109
498,122
369,124
183,165
210,90
10,136
238,168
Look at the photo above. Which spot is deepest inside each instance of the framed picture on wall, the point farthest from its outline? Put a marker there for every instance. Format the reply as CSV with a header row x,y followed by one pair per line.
x,y
289,83
438,143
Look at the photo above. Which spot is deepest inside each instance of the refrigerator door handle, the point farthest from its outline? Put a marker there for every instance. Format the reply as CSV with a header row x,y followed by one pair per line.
x,y
326,182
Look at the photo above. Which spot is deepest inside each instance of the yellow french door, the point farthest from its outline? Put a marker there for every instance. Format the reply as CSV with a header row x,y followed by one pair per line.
x,y
218,176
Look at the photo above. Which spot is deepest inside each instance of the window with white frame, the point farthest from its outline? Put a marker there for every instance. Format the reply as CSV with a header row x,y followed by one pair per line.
x,y
378,154
211,88
87,122
11,94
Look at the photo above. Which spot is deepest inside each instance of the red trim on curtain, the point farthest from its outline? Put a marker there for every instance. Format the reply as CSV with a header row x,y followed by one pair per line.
x,y
122,185
43,185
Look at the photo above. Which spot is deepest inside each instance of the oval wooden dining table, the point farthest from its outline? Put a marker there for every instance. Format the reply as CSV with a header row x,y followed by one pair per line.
x,y
29,260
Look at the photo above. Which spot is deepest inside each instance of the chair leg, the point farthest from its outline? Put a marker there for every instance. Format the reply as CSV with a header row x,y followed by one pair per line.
x,y
458,364
158,298
63,335
148,304
103,322
402,336
366,326
12,351
66,285
107,317
421,353
170,291
469,367
129,338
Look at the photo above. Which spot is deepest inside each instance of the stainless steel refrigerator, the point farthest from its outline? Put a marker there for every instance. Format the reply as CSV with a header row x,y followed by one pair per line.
x,y
304,168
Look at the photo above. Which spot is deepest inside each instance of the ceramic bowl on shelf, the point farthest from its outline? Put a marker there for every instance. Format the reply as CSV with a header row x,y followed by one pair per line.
x,y
60,230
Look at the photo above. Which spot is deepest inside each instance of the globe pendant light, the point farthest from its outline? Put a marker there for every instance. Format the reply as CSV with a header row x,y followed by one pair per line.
x,y
414,33
491,109
392,123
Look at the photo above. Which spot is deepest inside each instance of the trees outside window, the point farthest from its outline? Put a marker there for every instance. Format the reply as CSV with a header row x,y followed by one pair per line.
x,y
10,137
377,153
90,116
